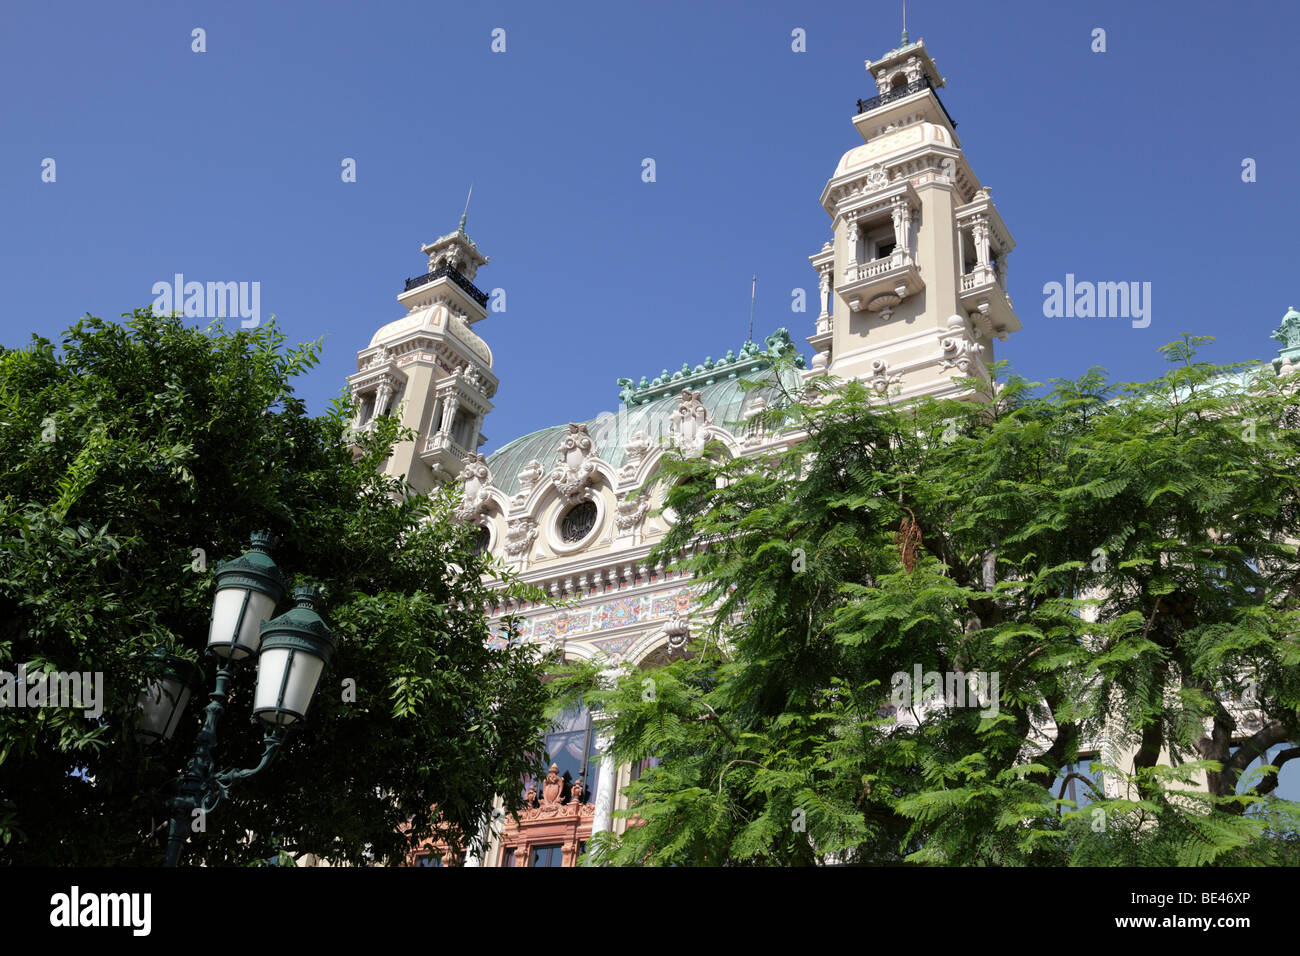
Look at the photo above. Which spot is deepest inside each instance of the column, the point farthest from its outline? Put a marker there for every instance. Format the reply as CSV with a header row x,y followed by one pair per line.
x,y
824,290
449,407
382,395
980,230
900,230
484,836
603,819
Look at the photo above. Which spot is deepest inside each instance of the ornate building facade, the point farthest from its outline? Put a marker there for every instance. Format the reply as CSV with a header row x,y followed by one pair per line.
x,y
912,293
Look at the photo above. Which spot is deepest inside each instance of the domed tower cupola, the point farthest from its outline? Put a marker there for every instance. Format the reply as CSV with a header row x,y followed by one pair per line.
x,y
430,368
913,279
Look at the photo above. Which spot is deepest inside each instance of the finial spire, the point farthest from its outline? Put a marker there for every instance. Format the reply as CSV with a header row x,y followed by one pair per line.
x,y
904,22
753,289
465,215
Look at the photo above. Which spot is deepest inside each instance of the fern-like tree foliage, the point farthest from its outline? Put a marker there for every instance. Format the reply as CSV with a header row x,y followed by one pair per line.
x,y
1121,557
137,442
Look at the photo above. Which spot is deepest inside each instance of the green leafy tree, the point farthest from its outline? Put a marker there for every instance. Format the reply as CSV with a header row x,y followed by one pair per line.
x,y
1120,558
130,447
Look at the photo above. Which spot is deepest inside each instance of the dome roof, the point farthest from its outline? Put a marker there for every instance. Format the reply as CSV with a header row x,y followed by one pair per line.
x,y
895,142
433,318
726,402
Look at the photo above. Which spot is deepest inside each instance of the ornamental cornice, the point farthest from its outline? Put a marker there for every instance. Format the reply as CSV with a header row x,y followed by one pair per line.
x,y
752,358
859,205
373,378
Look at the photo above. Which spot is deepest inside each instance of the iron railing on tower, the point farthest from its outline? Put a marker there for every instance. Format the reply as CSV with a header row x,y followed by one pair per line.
x,y
916,86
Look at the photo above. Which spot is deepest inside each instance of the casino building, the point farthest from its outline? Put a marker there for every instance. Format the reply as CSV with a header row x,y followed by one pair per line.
x,y
912,285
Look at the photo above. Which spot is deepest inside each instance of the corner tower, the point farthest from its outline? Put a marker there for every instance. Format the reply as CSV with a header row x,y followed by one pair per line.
x,y
430,368
913,280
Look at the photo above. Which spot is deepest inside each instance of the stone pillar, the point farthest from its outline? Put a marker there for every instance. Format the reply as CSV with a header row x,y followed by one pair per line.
x,y
824,290
382,394
449,407
900,230
603,819
980,230
484,837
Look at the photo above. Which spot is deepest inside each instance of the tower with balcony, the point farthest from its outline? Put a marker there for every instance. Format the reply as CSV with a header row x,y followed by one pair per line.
x,y
430,368
913,280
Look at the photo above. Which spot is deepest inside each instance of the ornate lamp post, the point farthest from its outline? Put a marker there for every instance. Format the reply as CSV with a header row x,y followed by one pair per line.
x,y
291,650
164,698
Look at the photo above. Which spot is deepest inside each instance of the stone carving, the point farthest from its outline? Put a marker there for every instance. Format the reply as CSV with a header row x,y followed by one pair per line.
x,y
520,535
876,177
630,512
530,798
552,786
960,353
474,376
636,450
678,632
575,470
881,378
477,481
1288,333
575,792
552,643
529,476
690,419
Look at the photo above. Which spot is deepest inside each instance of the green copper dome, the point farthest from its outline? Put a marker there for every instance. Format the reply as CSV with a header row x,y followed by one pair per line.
x,y
650,407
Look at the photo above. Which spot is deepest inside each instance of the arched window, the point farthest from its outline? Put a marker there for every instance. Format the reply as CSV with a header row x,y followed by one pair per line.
x,y
571,746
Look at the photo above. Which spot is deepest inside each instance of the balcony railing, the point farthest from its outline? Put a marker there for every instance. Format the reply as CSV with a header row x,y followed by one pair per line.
x,y
867,270
440,441
979,276
455,276
916,86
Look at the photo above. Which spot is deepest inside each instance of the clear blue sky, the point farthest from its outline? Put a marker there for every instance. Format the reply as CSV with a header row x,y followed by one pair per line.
x,y
225,166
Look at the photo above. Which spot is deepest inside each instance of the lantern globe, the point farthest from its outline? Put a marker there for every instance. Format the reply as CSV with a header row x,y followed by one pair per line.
x,y
164,697
296,647
248,590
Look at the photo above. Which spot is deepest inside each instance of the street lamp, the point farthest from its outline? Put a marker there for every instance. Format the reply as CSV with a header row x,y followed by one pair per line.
x,y
295,649
292,653
248,589
164,697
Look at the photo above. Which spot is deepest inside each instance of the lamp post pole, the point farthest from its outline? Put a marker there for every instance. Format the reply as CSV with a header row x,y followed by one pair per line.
x,y
292,651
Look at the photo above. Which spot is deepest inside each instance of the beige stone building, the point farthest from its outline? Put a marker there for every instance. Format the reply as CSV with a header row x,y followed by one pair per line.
x,y
912,296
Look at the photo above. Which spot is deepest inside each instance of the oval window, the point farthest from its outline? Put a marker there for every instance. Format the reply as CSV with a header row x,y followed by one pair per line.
x,y
578,522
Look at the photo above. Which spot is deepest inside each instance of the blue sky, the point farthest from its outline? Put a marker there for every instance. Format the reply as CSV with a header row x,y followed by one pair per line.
x,y
225,166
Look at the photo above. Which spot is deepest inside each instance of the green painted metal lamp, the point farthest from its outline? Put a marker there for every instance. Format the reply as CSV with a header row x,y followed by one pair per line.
x,y
296,647
292,651
163,699
248,590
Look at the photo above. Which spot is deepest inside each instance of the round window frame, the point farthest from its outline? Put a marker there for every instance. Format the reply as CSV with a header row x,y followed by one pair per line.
x,y
554,536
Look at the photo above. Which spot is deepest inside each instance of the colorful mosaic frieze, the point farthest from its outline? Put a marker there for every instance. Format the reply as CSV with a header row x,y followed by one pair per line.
x,y
606,616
